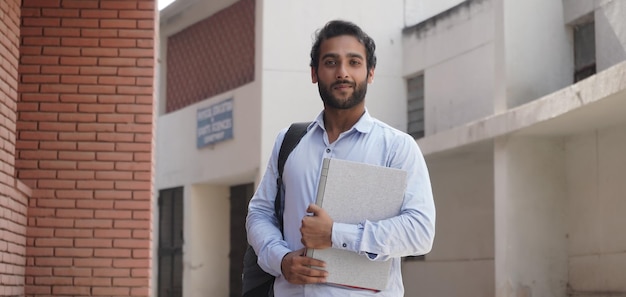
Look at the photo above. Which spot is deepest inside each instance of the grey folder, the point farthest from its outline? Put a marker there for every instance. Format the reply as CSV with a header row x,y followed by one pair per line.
x,y
351,193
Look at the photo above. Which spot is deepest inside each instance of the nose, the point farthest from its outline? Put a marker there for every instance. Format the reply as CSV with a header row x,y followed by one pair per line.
x,y
341,72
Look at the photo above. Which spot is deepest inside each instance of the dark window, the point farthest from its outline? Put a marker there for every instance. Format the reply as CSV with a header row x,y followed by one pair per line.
x,y
584,50
415,106
239,197
170,282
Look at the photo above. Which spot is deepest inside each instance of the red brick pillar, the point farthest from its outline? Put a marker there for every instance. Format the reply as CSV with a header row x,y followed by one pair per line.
x,y
85,143
13,194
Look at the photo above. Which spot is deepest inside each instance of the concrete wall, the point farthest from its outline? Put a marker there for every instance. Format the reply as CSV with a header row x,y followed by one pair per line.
x,y
610,33
538,54
207,234
462,260
574,10
530,217
456,55
416,11
459,90
596,166
235,161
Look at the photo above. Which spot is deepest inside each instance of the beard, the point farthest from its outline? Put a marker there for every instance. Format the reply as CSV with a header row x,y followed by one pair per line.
x,y
358,94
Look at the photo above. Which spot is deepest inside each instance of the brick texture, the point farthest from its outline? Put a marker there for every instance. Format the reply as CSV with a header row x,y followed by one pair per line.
x,y
211,57
13,194
84,145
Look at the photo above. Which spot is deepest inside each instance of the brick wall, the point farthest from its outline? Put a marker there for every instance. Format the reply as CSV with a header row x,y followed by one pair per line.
x,y
84,145
212,56
13,194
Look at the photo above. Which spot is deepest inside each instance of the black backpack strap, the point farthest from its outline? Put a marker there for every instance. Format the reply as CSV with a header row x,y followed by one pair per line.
x,y
295,132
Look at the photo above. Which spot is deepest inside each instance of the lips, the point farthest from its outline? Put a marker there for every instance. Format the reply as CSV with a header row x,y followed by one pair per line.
x,y
343,85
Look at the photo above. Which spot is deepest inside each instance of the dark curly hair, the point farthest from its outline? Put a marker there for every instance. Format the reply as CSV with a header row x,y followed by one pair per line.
x,y
338,28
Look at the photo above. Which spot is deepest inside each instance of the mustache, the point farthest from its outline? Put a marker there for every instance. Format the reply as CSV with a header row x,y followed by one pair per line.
x,y
343,82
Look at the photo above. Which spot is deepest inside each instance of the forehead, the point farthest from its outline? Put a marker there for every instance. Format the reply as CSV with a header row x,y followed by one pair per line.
x,y
343,45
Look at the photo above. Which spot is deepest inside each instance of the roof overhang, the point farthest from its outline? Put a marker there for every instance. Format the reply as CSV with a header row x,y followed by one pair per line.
x,y
591,104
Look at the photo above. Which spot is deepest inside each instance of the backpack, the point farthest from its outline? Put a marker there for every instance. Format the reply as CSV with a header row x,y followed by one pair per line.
x,y
256,282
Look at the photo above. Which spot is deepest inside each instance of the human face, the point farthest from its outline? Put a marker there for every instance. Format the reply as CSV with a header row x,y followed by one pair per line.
x,y
342,75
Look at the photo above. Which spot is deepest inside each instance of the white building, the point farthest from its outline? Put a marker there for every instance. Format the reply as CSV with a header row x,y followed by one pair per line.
x,y
527,166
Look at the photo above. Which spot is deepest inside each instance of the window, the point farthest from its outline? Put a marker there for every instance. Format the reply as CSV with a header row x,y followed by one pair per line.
x,y
584,50
415,102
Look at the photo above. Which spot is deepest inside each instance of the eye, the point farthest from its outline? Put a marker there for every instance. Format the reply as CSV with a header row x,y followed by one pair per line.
x,y
355,62
330,62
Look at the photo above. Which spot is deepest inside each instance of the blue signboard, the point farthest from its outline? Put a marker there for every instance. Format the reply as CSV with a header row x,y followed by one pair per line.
x,y
215,123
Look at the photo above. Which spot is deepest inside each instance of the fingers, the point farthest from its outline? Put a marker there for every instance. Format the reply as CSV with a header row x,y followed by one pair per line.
x,y
299,269
307,275
316,229
312,262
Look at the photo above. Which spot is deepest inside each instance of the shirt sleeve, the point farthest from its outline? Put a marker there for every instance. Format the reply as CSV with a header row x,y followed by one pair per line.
x,y
410,233
346,236
262,227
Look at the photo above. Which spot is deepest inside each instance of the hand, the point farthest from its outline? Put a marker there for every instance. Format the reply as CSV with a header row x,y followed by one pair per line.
x,y
296,268
317,229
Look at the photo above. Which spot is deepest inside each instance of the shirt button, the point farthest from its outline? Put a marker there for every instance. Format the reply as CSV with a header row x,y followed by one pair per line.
x,y
328,150
344,245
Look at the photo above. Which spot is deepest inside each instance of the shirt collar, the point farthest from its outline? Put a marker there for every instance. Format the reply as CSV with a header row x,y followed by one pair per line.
x,y
363,125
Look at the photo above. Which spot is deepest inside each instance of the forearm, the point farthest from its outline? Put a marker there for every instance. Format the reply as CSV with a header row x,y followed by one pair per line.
x,y
267,241
411,233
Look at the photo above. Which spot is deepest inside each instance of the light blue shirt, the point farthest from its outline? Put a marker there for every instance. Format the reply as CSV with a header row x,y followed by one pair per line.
x,y
368,141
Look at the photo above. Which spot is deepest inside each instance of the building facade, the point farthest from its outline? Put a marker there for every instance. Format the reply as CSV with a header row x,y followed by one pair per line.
x,y
252,58
76,139
517,105
523,108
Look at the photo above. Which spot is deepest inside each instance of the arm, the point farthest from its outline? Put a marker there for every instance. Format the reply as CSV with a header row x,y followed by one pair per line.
x,y
262,227
264,235
410,233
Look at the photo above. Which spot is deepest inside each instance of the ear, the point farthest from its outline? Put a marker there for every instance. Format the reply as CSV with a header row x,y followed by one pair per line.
x,y
370,76
313,75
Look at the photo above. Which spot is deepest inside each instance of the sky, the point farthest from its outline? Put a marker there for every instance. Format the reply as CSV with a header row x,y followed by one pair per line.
x,y
164,3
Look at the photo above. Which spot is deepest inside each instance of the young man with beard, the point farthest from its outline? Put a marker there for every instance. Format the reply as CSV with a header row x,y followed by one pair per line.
x,y
342,65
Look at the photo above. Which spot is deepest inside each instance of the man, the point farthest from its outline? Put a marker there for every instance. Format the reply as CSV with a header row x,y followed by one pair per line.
x,y
342,65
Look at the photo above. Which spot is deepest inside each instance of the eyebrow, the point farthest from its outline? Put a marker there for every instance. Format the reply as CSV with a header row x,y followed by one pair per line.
x,y
335,56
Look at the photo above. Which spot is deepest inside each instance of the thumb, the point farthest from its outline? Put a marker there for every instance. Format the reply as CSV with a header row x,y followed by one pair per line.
x,y
314,209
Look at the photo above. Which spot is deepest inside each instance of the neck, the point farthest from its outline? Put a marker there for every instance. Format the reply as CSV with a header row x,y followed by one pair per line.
x,y
337,121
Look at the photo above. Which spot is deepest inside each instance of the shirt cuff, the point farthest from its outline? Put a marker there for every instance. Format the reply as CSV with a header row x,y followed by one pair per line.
x,y
346,236
277,259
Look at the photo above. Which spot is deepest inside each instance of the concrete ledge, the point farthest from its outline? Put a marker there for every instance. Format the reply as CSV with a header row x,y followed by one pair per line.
x,y
596,102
